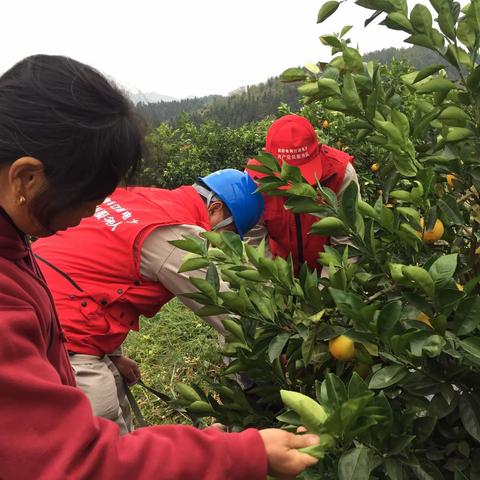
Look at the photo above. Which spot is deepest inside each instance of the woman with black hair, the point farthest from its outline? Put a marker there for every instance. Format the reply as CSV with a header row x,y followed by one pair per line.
x,y
67,138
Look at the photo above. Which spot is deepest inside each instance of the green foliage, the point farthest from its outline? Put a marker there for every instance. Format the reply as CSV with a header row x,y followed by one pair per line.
x,y
410,300
178,156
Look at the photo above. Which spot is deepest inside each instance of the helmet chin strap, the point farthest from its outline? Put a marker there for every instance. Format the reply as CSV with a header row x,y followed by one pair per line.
x,y
223,223
210,197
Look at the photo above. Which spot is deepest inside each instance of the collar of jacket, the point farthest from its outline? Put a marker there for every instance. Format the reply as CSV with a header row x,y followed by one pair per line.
x,y
13,243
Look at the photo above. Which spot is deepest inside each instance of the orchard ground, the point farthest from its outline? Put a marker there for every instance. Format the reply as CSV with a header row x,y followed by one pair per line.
x,y
174,346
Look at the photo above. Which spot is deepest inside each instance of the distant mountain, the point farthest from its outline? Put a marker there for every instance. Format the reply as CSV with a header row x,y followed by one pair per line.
x,y
243,105
150,97
418,57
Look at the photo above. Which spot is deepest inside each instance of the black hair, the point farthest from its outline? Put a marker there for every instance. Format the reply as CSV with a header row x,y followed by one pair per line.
x,y
76,122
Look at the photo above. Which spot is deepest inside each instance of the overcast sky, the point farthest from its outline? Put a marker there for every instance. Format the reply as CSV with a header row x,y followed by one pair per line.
x,y
183,47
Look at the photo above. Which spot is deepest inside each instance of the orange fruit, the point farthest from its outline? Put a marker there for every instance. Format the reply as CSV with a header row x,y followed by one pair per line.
x,y
375,167
341,348
431,236
325,124
424,318
451,179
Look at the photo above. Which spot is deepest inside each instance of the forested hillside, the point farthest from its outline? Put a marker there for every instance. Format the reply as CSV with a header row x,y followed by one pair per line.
x,y
417,56
252,104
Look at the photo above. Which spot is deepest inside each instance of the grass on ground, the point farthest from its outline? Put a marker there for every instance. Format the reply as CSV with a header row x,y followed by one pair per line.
x,y
174,346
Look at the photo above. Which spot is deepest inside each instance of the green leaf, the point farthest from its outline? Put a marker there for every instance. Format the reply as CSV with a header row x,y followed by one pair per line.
x,y
355,464
436,85
421,278
389,130
421,19
190,243
348,303
472,346
421,39
233,241
193,264
293,75
467,316
210,310
455,134
427,71
367,210
394,469
309,89
276,346
465,33
388,376
327,9
398,21
302,189
331,40
205,287
329,226
353,59
447,23
453,113
328,86
426,470
345,30
336,391
350,94
269,161
388,318
349,203
449,211
212,276
400,120
234,328
312,414
356,386
442,269
469,409
291,173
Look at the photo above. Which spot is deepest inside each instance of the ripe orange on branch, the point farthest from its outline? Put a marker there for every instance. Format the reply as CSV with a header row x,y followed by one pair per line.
x,y
431,236
375,167
341,348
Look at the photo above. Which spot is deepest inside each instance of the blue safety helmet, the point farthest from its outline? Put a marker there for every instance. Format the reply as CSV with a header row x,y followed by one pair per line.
x,y
237,191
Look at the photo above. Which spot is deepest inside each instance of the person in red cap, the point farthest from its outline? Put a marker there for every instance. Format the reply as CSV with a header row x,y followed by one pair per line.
x,y
292,139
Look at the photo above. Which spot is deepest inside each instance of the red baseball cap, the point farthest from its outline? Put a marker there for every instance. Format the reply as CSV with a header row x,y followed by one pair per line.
x,y
292,139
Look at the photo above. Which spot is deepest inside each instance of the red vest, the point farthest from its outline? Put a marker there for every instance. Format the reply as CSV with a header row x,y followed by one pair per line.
x,y
281,223
102,295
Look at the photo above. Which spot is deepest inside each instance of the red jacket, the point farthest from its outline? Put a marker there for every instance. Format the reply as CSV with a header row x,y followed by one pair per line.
x,y
282,225
103,295
48,431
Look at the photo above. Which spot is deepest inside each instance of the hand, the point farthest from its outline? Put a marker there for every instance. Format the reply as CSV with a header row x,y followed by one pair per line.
x,y
285,462
127,367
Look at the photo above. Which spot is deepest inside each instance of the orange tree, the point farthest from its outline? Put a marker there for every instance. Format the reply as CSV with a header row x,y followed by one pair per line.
x,y
381,357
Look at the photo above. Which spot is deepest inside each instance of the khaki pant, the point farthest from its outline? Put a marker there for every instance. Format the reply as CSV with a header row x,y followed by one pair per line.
x,y
102,383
